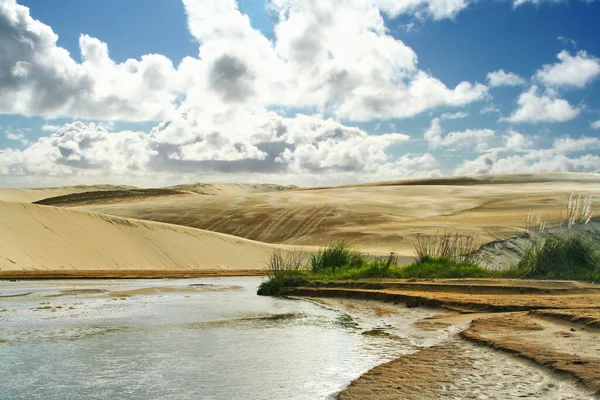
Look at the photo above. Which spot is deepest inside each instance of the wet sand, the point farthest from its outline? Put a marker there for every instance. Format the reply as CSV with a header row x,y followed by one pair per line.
x,y
554,336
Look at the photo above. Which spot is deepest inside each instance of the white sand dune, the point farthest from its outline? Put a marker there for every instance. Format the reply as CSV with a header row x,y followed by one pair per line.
x,y
48,238
377,217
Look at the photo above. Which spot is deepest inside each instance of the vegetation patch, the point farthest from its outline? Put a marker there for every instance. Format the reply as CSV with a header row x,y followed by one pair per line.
x,y
571,255
340,261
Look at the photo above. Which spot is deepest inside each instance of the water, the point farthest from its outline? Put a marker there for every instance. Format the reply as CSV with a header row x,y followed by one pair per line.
x,y
157,339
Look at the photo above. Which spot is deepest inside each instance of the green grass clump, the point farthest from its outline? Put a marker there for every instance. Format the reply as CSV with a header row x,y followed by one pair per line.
x,y
273,286
335,256
443,268
570,255
341,262
370,270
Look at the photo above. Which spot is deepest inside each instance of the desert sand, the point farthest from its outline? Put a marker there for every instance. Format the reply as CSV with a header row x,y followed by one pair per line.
x,y
377,218
32,195
49,238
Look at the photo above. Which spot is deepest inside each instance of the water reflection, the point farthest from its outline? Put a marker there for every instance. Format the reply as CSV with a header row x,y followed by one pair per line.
x,y
168,339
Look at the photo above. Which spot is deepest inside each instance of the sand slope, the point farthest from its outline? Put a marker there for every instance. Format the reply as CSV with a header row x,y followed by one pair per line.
x,y
31,195
230,189
378,217
48,238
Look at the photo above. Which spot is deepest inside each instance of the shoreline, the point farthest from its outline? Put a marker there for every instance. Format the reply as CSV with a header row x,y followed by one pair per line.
x,y
553,329
126,274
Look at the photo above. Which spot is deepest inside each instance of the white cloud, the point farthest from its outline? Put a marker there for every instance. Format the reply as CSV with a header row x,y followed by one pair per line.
x,y
14,136
516,142
337,57
541,161
436,9
571,71
501,78
552,159
570,145
333,57
595,124
535,108
567,40
17,135
457,115
477,139
37,77
50,128
517,3
248,143
491,108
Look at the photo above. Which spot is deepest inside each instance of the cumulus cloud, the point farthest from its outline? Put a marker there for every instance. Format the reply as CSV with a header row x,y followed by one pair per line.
x,y
501,78
595,124
541,161
570,145
334,56
227,109
535,108
249,143
478,139
557,158
516,142
571,71
37,77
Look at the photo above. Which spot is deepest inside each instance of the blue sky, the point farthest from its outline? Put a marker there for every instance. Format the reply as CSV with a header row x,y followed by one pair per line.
x,y
206,107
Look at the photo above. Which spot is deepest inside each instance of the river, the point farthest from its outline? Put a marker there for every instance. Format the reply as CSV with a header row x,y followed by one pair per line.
x,y
157,339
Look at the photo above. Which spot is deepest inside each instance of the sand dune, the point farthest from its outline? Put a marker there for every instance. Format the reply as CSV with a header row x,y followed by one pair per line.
x,y
32,195
106,196
377,217
46,195
49,238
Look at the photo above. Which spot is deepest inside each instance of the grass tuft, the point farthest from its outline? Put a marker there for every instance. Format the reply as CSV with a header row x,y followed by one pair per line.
x,y
429,267
449,245
570,255
334,256
283,269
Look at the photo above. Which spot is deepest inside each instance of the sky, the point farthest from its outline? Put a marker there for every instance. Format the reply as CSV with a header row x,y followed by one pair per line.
x,y
305,92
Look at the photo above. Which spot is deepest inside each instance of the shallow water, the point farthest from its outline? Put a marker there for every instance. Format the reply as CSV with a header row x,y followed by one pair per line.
x,y
157,339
